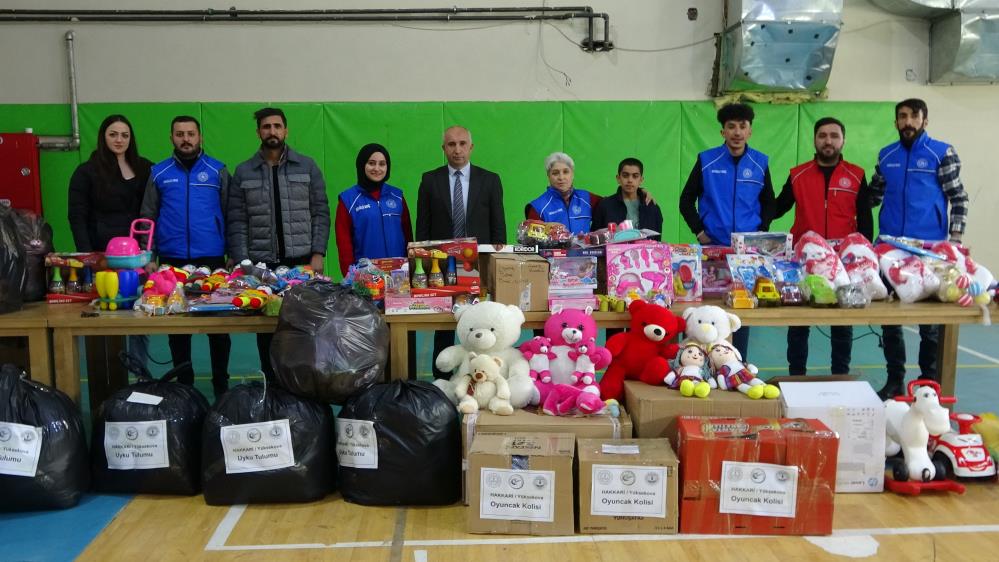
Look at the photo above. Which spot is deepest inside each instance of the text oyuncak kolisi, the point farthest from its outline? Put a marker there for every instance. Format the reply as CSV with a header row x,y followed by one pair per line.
x,y
626,501
515,505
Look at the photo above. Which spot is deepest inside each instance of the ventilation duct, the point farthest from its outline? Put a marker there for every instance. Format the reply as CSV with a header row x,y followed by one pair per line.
x,y
925,9
778,46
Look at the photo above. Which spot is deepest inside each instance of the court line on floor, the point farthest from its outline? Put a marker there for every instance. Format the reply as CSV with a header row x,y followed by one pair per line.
x,y
228,524
967,350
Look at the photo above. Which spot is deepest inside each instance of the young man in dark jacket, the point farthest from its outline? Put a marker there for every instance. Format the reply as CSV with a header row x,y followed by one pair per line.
x,y
630,202
279,213
830,196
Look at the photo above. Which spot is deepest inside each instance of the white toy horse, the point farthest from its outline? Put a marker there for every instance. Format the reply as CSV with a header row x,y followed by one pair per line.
x,y
909,428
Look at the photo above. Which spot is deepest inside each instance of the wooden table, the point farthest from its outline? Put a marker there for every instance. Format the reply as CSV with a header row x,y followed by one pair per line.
x,y
878,313
32,322
67,322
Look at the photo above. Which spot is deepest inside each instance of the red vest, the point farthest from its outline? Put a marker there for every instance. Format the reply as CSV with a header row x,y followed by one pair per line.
x,y
832,213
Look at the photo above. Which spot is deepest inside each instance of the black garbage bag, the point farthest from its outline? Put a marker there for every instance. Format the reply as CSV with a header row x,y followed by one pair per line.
x,y
36,235
12,260
147,438
329,343
39,426
265,445
399,444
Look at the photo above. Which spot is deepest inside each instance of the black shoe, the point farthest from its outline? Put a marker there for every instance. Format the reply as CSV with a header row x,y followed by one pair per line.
x,y
891,389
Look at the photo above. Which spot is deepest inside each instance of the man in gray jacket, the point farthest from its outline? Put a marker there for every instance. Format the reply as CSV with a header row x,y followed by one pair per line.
x,y
278,212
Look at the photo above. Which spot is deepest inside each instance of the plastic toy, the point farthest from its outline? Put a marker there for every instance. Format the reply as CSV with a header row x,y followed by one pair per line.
x,y
716,279
817,257
642,268
852,296
765,292
861,263
911,278
611,304
739,297
251,299
963,453
543,234
776,245
790,294
123,252
818,291
686,263
908,429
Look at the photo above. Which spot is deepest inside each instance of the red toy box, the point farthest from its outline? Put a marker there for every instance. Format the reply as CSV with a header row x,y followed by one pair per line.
x,y
756,476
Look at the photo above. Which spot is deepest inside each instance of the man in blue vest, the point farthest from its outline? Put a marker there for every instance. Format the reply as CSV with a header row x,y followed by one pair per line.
x,y
729,190
914,180
186,196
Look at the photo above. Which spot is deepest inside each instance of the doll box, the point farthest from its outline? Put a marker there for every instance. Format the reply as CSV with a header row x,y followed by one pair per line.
x,y
756,476
628,486
777,245
400,304
520,280
656,409
573,272
854,411
521,484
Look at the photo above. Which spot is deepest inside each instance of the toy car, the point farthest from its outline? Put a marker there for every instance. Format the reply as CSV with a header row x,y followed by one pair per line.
x,y
790,294
739,297
765,292
963,453
819,290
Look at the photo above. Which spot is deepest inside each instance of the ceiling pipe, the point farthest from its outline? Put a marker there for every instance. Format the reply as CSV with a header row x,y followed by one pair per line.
x,y
71,142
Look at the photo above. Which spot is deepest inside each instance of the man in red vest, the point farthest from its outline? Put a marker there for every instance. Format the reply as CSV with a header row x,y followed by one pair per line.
x,y
830,196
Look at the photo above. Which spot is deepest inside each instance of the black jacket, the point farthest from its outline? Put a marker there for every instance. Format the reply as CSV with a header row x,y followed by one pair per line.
x,y
100,210
484,218
612,210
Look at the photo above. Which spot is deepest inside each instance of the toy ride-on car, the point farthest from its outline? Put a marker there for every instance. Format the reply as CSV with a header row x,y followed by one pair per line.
x,y
963,453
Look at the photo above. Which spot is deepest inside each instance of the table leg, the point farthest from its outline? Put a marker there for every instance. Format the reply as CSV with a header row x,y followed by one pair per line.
x,y
40,355
399,350
67,362
947,358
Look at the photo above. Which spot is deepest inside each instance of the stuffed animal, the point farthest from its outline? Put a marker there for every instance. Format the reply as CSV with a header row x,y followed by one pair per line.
x,y
861,264
690,374
161,283
817,257
709,324
538,352
732,374
643,352
585,355
565,329
491,328
483,387
908,275
565,399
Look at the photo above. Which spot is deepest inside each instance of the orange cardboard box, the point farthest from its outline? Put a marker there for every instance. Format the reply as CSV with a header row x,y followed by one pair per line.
x,y
756,476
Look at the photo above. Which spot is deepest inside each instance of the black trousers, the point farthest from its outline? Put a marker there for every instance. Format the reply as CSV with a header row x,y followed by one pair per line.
x,y
841,338
894,345
740,339
443,339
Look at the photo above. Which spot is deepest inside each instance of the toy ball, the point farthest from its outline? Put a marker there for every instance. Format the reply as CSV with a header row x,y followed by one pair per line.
x,y
982,299
953,293
974,288
965,300
467,253
962,282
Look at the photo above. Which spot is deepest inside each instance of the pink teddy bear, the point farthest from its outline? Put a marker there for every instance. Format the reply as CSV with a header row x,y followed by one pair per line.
x,y
538,352
583,395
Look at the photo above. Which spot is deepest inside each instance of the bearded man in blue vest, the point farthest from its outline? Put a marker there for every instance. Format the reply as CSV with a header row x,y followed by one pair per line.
x,y
914,180
186,196
729,190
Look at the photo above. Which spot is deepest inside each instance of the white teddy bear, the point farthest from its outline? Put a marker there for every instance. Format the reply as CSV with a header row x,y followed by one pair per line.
x,y
709,324
488,328
484,387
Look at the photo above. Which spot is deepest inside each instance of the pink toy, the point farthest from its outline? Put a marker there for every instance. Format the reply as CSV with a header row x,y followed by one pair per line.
x,y
978,273
817,257
538,353
564,399
732,374
643,352
642,268
565,329
160,283
861,264
585,356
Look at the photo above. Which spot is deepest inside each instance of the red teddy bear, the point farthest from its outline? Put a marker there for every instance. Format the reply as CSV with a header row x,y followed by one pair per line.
x,y
644,351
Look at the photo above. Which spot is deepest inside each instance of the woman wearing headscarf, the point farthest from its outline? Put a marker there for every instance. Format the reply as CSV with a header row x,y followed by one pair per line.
x,y
372,217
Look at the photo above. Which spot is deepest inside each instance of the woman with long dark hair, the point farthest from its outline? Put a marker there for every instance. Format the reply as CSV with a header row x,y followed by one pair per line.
x,y
105,192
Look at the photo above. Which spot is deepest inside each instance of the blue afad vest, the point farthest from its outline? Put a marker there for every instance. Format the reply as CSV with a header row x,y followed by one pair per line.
x,y
377,222
731,199
576,216
914,203
190,223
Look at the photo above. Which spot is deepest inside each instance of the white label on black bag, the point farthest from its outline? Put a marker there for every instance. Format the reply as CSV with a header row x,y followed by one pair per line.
x,y
20,446
628,490
758,489
356,443
256,447
519,495
136,445
143,398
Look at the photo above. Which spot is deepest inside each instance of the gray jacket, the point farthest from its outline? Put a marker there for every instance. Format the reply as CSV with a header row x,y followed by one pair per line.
x,y
305,212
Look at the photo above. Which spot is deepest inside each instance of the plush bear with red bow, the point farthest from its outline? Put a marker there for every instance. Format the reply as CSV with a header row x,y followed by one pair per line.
x,y
643,352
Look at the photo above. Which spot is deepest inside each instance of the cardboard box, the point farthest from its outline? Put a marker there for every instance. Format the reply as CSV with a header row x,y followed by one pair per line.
x,y
521,484
529,421
655,409
854,411
627,486
756,476
519,279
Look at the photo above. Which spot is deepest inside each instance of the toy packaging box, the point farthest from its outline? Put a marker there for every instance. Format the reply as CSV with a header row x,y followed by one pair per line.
x,y
627,486
573,272
656,409
519,279
854,411
776,245
686,264
409,304
748,267
598,252
438,257
521,484
756,476
716,280
641,268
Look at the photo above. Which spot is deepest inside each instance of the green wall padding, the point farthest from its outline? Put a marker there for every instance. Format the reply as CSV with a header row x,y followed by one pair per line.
x,y
511,138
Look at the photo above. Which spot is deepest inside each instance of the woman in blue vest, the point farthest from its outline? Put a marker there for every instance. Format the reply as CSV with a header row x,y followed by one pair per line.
x,y
562,202
372,218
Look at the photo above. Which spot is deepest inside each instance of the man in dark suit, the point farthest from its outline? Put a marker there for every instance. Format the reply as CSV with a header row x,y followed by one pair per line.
x,y
456,201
